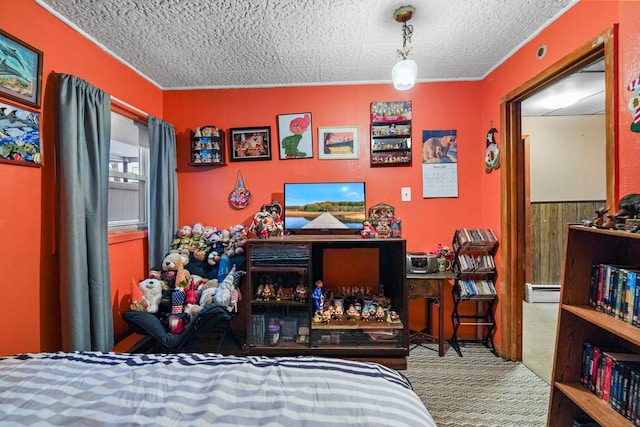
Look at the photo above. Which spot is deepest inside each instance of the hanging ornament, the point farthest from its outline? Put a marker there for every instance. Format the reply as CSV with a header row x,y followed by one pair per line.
x,y
492,153
634,104
240,196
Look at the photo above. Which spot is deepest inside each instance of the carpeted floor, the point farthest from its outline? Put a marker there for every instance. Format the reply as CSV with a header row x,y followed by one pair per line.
x,y
478,389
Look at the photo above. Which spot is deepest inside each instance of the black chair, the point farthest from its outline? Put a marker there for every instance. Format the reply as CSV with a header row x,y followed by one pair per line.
x,y
210,318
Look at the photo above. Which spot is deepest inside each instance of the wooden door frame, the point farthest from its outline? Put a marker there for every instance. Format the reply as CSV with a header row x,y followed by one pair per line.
x,y
513,248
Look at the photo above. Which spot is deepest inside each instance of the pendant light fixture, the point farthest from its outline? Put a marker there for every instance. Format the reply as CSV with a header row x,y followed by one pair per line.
x,y
405,72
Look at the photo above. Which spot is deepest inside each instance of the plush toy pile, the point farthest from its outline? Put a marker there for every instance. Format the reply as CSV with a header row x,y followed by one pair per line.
x,y
175,293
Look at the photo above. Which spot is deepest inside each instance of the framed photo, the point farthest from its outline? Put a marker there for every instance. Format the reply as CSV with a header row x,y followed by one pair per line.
x,y
20,71
19,136
338,143
294,136
250,143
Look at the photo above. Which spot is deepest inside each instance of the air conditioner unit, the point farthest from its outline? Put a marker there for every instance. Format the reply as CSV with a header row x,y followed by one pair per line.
x,y
542,293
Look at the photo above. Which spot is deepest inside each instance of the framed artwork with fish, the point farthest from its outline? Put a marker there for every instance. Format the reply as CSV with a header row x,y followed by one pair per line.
x,y
19,136
20,71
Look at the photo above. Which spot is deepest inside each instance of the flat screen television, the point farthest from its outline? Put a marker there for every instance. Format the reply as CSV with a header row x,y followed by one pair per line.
x,y
334,207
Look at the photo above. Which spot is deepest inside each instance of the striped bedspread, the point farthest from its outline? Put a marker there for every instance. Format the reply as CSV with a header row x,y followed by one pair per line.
x,y
98,389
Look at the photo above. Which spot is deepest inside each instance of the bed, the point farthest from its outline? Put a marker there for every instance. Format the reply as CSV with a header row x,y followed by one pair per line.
x,y
97,389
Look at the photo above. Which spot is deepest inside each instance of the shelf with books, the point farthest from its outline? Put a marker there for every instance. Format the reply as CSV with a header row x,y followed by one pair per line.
x,y
475,272
583,324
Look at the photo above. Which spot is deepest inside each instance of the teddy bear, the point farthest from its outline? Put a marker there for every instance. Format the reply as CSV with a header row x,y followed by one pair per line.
x,y
151,290
173,269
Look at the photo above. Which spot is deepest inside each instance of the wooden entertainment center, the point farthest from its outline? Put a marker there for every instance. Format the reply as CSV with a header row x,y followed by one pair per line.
x,y
354,271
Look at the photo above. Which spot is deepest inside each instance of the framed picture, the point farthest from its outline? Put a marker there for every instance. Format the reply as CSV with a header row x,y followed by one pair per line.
x,y
294,136
19,136
338,143
20,71
250,143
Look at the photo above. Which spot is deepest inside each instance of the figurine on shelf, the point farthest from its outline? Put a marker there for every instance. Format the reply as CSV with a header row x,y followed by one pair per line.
x,y
197,133
380,315
318,296
352,314
301,293
368,231
338,312
598,220
326,316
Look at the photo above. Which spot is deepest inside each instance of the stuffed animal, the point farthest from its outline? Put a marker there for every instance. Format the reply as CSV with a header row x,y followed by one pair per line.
x,y
151,290
228,294
207,291
192,309
183,239
237,241
173,268
198,245
207,233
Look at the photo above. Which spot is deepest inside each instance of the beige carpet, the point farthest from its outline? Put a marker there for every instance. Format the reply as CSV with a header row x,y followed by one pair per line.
x,y
478,389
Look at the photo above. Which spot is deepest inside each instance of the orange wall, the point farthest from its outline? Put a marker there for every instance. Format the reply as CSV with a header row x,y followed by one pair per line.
x,y
27,204
203,191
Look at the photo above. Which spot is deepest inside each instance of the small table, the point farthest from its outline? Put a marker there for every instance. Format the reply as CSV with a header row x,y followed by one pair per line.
x,y
429,286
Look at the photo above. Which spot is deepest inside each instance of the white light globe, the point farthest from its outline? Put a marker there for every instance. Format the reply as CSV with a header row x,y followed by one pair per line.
x,y
404,74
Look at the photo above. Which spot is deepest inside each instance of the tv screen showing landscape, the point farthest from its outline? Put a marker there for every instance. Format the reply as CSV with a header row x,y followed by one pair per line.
x,y
324,206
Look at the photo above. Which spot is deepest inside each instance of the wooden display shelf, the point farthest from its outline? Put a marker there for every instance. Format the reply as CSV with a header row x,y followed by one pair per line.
x,y
615,326
591,404
580,323
281,303
357,324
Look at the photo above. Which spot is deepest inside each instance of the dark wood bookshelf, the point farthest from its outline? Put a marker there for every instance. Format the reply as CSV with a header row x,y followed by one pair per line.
x,y
578,323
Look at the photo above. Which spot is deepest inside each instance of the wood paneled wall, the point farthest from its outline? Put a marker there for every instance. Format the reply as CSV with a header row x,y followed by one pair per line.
x,y
548,221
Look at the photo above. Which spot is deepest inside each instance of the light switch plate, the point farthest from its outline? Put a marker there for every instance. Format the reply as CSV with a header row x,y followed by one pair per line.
x,y
406,194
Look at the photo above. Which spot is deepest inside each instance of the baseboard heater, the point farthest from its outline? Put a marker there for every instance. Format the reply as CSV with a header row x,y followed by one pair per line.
x,y
542,293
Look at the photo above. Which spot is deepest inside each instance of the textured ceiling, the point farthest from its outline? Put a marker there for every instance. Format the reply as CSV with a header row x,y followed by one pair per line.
x,y
229,43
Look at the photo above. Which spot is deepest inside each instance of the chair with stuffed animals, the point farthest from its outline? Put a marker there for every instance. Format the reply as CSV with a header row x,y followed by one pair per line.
x,y
175,328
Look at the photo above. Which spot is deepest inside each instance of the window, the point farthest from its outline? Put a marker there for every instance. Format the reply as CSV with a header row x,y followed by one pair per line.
x,y
128,173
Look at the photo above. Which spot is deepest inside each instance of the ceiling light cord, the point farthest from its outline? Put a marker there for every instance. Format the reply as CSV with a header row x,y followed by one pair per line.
x,y
407,31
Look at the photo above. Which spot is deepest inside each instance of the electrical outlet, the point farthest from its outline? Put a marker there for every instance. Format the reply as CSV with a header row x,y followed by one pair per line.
x,y
406,194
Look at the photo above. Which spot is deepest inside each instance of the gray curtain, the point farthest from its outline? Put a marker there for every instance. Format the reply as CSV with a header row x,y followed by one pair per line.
x,y
82,133
163,192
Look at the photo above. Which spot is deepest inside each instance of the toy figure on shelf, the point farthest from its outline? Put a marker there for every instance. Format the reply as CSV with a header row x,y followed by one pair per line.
x,y
338,312
368,231
301,293
352,314
318,296
598,220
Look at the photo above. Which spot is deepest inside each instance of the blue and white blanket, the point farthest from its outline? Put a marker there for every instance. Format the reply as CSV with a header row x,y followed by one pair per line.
x,y
99,389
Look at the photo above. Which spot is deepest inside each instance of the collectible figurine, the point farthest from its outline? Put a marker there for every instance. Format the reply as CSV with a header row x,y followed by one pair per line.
x,y
326,316
318,296
301,293
338,312
352,314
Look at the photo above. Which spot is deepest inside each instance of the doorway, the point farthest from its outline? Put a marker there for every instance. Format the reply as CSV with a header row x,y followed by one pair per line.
x,y
563,125
514,222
